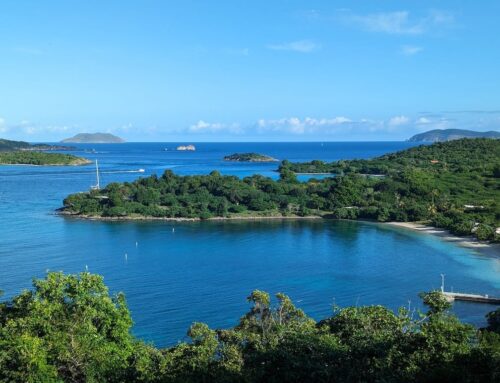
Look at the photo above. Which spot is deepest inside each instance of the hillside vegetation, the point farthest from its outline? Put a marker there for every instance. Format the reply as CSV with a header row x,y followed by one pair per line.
x,y
38,158
249,157
454,185
68,328
440,135
9,145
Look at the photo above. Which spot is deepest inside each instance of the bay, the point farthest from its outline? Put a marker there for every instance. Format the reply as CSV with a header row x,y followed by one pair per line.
x,y
177,273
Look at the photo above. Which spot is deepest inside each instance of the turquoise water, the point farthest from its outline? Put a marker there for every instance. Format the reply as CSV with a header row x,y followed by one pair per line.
x,y
203,271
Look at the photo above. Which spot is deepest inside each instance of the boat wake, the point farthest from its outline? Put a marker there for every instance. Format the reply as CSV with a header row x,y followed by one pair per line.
x,y
124,171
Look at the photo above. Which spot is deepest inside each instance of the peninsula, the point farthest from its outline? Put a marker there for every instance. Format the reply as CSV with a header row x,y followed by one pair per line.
x,y
452,185
94,138
40,159
249,157
441,135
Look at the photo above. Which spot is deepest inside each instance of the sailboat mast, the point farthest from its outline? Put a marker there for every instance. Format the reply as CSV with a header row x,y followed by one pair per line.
x,y
97,175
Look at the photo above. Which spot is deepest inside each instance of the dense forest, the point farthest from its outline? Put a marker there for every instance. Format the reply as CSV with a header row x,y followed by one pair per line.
x,y
9,145
25,157
453,185
68,328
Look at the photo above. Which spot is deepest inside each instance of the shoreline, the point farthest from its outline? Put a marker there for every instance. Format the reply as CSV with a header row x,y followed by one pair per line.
x,y
183,219
484,248
79,164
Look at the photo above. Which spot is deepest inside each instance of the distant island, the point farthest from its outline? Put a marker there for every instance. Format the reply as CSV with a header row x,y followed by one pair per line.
x,y
27,157
94,138
188,148
9,145
440,135
249,157
452,185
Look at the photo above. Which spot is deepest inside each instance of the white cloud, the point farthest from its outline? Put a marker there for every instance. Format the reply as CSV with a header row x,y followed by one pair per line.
x,y
296,125
437,122
400,22
3,126
423,121
214,127
302,46
389,22
410,50
31,129
398,121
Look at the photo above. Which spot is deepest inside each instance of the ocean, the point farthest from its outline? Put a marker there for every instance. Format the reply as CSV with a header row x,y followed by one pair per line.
x,y
176,273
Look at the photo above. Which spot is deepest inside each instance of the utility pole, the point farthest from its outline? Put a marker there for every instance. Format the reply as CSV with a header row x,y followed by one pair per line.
x,y
442,283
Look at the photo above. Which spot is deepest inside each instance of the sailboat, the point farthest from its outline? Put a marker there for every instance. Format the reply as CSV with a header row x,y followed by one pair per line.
x,y
96,186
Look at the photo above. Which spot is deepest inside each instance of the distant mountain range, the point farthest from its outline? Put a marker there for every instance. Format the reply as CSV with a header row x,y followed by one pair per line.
x,y
440,135
94,138
9,146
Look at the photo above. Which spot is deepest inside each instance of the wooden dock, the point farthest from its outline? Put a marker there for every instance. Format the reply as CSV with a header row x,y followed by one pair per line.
x,y
471,298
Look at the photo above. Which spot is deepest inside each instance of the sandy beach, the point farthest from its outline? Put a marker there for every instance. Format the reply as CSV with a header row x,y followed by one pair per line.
x,y
486,248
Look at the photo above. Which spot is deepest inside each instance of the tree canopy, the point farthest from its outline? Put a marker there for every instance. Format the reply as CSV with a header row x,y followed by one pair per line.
x,y
68,328
29,157
454,185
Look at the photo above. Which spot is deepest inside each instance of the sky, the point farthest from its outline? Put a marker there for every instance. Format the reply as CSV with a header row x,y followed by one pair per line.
x,y
248,70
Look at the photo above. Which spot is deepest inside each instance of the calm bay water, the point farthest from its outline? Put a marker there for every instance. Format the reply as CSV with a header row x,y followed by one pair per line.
x,y
203,271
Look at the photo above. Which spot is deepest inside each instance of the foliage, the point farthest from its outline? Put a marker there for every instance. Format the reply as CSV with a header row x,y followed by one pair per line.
x,y
69,329
9,145
453,185
28,157
249,157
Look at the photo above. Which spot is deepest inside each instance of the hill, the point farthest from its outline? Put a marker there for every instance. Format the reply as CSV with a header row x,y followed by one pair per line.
x,y
454,185
9,145
440,135
94,138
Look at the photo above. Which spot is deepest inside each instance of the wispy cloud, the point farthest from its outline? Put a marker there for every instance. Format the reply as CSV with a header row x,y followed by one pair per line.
x,y
410,50
215,127
398,121
399,22
473,111
3,126
423,121
27,128
301,46
296,125
427,123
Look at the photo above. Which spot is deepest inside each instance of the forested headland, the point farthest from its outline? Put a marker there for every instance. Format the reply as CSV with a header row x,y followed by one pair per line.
x,y
9,146
68,328
453,185
28,157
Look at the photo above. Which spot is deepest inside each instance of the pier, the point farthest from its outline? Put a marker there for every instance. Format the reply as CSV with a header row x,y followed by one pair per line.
x,y
451,296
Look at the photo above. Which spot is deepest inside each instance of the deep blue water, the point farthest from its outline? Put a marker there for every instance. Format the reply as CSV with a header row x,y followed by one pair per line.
x,y
203,271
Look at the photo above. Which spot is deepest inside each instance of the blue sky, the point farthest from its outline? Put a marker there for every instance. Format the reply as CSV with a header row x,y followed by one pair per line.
x,y
247,70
